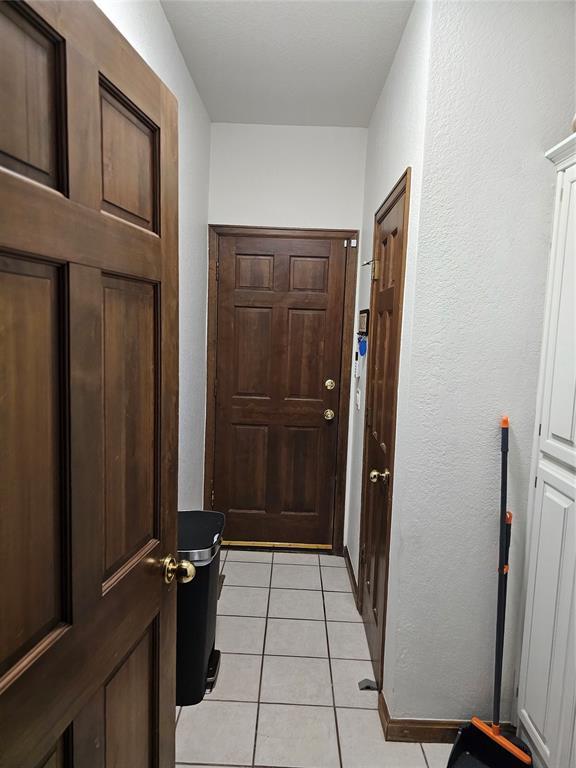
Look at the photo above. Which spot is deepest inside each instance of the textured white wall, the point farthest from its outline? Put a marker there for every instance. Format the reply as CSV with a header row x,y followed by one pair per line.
x,y
287,176
145,26
395,141
501,91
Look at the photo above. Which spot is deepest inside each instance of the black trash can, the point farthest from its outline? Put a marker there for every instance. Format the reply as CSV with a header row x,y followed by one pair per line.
x,y
197,660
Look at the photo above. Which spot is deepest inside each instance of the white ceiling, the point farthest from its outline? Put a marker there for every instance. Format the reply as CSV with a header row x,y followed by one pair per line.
x,y
289,62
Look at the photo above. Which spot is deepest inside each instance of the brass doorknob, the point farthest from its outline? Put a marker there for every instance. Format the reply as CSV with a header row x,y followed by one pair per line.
x,y
181,570
328,414
329,383
375,476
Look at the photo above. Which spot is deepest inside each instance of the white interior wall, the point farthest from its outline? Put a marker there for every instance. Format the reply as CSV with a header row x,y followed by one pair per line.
x,y
500,92
395,142
287,176
145,26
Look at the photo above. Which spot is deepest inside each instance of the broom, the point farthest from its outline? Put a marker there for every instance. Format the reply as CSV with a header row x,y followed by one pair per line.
x,y
480,744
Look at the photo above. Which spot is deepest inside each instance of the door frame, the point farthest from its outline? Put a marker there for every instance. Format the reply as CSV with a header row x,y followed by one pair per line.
x,y
402,186
215,231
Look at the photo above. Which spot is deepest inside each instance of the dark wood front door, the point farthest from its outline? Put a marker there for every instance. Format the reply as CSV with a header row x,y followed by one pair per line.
x,y
88,394
390,231
278,384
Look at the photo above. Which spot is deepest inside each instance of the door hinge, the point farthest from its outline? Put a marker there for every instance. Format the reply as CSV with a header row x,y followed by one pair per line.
x,y
539,430
215,388
212,497
353,243
217,270
535,481
375,269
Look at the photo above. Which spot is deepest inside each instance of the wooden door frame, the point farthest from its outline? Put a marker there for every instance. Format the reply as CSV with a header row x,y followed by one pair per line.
x,y
402,186
215,231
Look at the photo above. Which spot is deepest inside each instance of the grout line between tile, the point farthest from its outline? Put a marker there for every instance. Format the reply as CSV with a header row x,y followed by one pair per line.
x,y
262,663
425,758
331,675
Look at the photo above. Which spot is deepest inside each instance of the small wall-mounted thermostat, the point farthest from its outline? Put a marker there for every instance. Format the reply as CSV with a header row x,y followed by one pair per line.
x,y
363,321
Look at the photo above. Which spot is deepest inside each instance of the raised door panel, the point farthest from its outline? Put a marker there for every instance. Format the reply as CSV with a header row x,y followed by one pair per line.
x,y
129,159
300,467
129,709
305,345
252,352
248,467
32,455
130,395
31,117
309,274
550,608
255,272
558,437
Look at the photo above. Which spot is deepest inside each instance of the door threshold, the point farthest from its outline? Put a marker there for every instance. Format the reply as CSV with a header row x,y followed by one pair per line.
x,y
274,545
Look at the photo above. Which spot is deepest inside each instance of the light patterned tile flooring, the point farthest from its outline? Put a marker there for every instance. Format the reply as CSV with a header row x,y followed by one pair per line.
x,y
293,650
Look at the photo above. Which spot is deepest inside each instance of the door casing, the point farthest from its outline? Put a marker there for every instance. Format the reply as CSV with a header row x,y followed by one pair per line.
x,y
214,233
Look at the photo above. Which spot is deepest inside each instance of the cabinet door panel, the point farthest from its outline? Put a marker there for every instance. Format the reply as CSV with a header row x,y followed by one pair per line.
x,y
546,680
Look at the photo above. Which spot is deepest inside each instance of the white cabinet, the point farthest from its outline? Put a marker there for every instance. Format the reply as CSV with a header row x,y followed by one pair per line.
x,y
547,695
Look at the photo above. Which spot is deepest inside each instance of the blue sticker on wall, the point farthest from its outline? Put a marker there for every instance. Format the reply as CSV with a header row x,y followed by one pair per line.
x,y
362,345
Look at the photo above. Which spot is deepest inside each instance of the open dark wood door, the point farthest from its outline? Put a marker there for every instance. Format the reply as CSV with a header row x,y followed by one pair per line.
x,y
390,232
88,394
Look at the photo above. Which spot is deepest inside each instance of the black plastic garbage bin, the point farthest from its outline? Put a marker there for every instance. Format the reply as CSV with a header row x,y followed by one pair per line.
x,y
197,660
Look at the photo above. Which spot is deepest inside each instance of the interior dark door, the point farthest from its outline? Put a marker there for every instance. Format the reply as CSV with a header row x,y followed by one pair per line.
x,y
88,394
280,311
390,227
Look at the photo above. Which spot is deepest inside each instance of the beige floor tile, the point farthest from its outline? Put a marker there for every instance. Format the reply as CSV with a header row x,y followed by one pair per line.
x,y
346,674
293,680
296,604
340,606
240,634
243,601
332,561
296,576
216,732
437,754
363,745
238,679
248,556
296,637
296,558
347,640
299,737
247,574
335,580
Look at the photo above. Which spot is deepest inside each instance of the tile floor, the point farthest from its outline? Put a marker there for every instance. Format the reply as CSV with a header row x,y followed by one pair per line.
x,y
293,650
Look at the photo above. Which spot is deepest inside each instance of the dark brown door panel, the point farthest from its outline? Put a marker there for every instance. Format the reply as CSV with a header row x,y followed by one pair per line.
x,y
88,394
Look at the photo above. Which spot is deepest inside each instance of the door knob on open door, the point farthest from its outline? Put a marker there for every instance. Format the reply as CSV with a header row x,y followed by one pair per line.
x,y
329,414
375,476
181,570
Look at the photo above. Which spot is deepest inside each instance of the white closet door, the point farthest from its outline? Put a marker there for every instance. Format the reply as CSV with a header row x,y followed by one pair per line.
x,y
547,696
547,676
558,438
